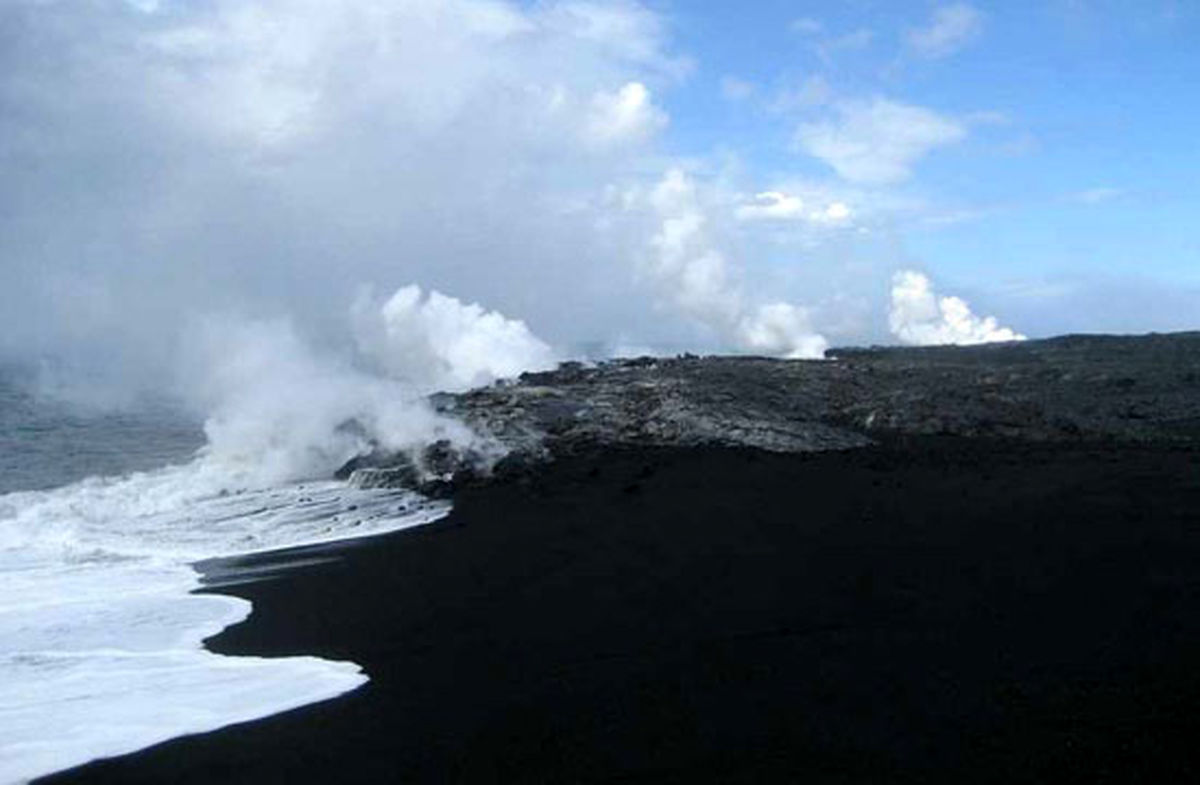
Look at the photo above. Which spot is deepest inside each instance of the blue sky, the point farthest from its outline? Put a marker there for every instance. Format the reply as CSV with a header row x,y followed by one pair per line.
x,y
1079,164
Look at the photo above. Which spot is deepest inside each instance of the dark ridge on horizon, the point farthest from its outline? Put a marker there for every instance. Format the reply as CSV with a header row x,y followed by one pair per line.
x,y
1066,340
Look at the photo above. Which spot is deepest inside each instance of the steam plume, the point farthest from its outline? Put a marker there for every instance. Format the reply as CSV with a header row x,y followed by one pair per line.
x,y
918,316
440,343
279,410
693,274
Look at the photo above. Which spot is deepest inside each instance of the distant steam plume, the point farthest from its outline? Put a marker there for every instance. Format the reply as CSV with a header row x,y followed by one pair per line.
x,y
693,274
918,316
437,342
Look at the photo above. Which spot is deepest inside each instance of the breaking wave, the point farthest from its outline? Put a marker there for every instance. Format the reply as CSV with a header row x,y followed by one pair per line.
x,y
101,635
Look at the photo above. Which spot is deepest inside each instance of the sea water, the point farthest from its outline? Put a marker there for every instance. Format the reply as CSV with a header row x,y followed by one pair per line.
x,y
102,515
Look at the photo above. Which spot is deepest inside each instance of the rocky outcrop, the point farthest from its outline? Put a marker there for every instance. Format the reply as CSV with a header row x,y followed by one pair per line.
x,y
1133,389
1122,388
434,470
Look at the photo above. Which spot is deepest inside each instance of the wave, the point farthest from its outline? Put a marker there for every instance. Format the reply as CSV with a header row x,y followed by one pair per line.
x,y
101,633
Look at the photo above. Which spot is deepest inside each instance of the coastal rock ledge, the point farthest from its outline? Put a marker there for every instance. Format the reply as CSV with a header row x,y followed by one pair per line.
x,y
1073,388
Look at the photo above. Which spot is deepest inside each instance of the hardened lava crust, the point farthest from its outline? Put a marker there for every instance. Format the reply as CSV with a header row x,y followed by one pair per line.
x,y
1078,388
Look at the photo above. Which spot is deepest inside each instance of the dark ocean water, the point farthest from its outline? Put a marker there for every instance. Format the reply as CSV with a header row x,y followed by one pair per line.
x,y
45,443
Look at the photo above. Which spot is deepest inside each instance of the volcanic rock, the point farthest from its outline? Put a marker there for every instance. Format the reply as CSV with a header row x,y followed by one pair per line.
x,y
1072,388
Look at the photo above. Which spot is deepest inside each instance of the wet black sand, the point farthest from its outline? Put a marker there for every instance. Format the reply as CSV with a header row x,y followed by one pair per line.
x,y
937,610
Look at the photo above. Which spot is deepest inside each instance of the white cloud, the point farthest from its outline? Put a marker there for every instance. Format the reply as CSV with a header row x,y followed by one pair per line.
x,y
877,141
690,270
626,31
951,28
919,317
437,342
627,114
684,257
288,151
780,206
771,205
781,330
837,211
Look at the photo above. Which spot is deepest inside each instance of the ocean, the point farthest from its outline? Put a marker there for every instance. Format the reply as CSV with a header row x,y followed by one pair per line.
x,y
102,515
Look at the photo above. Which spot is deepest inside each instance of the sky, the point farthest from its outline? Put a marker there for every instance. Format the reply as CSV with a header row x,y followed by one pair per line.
x,y
460,180
1060,185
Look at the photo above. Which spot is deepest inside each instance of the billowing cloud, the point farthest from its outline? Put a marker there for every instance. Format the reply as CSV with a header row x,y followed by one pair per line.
x,y
877,141
437,342
695,276
278,410
683,258
780,329
262,158
625,115
256,160
919,317
951,28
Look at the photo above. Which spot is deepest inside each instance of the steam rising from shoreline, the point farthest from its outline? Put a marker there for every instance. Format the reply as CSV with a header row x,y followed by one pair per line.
x,y
921,318
689,269
437,342
279,410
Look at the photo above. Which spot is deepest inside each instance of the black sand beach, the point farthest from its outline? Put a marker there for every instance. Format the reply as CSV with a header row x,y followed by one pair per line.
x,y
928,610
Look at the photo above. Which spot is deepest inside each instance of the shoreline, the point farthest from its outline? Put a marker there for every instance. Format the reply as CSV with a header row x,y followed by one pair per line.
x,y
927,609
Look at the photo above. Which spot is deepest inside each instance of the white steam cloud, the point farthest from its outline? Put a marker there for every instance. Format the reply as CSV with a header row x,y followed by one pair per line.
x,y
266,158
694,275
919,317
279,411
440,343
780,329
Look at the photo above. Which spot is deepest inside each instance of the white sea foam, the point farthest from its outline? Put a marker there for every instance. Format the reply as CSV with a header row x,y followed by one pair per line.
x,y
100,636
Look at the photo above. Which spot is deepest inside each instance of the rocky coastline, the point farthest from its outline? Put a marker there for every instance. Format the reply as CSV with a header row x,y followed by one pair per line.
x,y
1124,389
